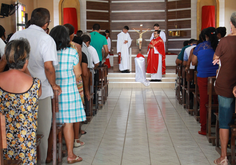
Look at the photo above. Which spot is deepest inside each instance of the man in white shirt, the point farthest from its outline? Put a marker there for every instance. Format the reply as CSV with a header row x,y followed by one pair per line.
x,y
123,43
43,56
2,38
162,34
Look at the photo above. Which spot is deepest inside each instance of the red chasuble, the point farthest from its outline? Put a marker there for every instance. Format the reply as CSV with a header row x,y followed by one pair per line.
x,y
153,59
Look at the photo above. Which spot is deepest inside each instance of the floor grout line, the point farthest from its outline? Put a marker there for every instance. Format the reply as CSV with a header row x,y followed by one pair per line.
x,y
147,129
126,127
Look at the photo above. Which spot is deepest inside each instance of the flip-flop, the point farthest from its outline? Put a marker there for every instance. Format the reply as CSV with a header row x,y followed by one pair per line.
x,y
76,144
77,159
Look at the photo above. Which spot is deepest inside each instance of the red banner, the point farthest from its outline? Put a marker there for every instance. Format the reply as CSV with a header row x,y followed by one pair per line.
x,y
70,16
208,16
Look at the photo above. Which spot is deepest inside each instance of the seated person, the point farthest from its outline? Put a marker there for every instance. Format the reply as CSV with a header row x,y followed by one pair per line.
x,y
19,95
193,44
180,57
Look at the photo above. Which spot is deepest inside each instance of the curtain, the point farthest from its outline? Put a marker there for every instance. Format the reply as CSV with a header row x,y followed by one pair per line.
x,y
70,16
208,16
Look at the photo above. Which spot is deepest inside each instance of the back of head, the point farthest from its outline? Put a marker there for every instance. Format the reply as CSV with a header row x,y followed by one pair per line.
x,y
211,33
185,43
77,40
96,27
192,41
126,27
158,31
107,31
233,19
86,38
157,25
61,36
2,31
79,33
86,33
222,31
70,28
17,52
39,17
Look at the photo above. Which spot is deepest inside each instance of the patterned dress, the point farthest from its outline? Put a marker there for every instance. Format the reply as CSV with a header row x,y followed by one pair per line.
x,y
71,109
21,112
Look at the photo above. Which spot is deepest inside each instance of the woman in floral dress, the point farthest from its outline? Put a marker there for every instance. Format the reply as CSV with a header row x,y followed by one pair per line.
x,y
19,94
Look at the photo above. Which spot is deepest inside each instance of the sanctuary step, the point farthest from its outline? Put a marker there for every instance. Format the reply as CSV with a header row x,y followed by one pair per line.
x,y
127,80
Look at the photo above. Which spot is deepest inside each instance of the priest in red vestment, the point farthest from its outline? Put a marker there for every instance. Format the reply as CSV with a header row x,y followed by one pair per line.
x,y
156,57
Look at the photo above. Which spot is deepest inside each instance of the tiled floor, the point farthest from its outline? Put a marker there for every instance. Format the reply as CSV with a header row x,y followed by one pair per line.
x,y
144,127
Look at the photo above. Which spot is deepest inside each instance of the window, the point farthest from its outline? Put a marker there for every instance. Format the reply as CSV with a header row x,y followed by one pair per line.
x,y
20,17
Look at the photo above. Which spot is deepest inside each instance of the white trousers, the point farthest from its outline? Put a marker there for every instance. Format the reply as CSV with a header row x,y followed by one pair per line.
x,y
158,75
44,125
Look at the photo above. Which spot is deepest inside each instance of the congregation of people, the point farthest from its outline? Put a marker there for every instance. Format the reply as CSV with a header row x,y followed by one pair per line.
x,y
212,56
38,63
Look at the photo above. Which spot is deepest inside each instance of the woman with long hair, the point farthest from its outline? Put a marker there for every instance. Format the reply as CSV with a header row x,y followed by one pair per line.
x,y
202,58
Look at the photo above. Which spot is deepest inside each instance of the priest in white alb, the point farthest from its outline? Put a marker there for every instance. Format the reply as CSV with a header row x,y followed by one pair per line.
x,y
156,57
123,43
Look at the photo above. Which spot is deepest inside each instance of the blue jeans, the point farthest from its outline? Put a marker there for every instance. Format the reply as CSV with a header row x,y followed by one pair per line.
x,y
226,110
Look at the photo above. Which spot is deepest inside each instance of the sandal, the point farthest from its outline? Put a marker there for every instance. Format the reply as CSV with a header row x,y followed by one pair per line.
x,y
76,144
77,159
222,162
83,132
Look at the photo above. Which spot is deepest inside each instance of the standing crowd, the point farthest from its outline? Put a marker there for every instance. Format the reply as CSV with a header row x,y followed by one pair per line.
x,y
213,56
35,63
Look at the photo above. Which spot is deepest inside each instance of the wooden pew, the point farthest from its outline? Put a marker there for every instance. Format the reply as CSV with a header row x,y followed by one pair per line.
x,y
3,143
211,93
101,88
178,82
183,87
89,103
57,130
189,90
196,96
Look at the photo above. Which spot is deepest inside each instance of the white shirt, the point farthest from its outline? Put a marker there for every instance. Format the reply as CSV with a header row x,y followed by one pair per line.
x,y
86,52
2,47
94,55
162,35
42,49
187,54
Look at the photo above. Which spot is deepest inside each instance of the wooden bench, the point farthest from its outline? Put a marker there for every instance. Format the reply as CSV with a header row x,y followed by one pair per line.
x,y
89,103
57,130
178,82
183,87
101,86
210,107
189,89
196,96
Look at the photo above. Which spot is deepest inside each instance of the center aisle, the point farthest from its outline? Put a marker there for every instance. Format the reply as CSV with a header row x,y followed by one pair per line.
x,y
144,127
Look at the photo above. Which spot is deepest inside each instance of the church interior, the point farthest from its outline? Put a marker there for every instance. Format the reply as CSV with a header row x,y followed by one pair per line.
x,y
138,124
